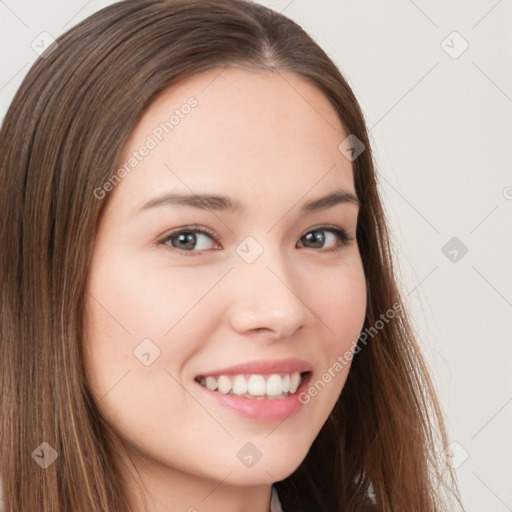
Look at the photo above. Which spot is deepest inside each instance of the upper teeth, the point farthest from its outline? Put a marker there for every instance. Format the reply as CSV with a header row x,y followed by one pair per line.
x,y
254,385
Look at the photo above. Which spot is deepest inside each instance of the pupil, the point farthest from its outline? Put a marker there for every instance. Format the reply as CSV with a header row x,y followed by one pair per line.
x,y
316,237
183,239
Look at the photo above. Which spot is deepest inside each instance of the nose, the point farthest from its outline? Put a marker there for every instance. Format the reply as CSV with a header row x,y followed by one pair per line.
x,y
268,296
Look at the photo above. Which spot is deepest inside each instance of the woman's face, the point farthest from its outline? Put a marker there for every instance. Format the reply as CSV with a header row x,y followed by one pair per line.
x,y
265,282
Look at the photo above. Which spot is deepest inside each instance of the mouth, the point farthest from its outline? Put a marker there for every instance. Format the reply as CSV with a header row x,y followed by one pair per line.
x,y
275,386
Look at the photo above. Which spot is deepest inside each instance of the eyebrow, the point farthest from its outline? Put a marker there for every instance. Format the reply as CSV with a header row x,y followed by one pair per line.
x,y
214,202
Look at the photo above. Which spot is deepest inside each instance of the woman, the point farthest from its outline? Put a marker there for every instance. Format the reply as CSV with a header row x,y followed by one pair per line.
x,y
199,310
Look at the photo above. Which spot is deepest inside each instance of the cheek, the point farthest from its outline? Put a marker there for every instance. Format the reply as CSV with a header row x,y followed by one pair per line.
x,y
143,318
341,308
340,305
143,298
142,326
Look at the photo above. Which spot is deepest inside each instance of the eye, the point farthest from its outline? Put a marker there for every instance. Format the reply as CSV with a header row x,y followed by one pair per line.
x,y
189,240
318,239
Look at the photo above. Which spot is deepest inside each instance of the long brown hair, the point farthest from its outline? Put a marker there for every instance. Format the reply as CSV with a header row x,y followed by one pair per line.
x,y
61,139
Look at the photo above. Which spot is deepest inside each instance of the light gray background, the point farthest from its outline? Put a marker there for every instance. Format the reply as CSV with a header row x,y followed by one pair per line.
x,y
441,129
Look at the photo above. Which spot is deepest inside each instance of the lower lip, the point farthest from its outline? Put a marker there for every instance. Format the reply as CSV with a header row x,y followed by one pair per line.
x,y
276,409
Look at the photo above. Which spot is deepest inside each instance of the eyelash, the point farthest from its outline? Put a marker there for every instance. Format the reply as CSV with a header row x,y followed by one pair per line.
x,y
343,237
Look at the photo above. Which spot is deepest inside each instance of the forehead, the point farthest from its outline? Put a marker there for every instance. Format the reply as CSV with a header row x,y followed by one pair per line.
x,y
263,133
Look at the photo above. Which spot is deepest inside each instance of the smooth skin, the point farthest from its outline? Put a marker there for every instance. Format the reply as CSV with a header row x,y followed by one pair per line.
x,y
269,140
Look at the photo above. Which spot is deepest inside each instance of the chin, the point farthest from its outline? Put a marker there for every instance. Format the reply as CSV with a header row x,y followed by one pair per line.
x,y
267,470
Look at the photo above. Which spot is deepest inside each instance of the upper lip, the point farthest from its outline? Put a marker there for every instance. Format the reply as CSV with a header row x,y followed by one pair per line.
x,y
290,365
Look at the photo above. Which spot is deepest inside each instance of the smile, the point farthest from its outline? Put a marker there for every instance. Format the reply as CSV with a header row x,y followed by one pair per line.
x,y
254,386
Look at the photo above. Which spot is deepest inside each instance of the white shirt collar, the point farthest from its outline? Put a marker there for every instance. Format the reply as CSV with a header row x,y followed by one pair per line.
x,y
275,504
